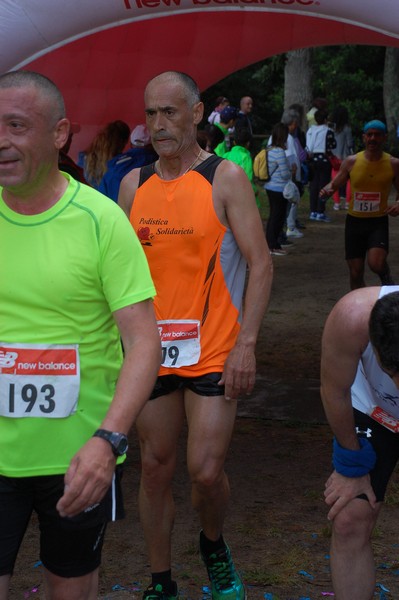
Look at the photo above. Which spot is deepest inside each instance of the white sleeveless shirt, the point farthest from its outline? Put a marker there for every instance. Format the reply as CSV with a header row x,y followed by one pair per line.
x,y
372,387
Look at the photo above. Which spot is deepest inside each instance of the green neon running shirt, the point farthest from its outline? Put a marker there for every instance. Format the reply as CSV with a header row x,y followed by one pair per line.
x,y
63,273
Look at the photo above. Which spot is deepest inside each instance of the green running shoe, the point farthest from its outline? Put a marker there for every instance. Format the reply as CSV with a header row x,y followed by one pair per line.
x,y
225,581
156,592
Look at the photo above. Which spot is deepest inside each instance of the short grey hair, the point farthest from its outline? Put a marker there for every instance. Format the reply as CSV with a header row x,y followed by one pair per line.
x,y
289,116
49,90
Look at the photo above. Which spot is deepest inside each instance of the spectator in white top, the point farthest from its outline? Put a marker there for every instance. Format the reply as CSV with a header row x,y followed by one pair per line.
x,y
280,173
291,119
320,141
221,103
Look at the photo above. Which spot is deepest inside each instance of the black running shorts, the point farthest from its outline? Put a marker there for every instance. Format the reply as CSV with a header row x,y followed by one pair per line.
x,y
69,547
363,234
386,446
203,385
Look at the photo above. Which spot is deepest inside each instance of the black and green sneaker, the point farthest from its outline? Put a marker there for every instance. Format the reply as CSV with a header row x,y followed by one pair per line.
x,y
156,592
225,581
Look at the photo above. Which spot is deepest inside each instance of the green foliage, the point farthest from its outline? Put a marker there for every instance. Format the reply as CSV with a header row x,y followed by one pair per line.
x,y
263,81
351,76
346,75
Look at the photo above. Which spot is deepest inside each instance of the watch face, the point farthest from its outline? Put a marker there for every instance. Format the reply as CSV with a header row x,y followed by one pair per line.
x,y
121,445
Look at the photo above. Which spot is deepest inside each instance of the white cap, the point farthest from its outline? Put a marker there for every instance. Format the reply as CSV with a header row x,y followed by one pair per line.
x,y
140,136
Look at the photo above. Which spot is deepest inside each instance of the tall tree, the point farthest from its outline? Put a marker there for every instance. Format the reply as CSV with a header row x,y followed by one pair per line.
x,y
298,76
391,92
346,75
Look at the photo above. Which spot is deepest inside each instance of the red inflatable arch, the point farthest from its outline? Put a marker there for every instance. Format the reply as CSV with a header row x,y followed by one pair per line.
x,y
102,52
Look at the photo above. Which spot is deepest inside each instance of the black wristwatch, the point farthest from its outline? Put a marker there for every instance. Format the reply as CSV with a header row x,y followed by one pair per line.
x,y
118,441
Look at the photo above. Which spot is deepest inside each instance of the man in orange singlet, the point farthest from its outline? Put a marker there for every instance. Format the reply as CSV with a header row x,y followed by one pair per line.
x,y
197,219
371,173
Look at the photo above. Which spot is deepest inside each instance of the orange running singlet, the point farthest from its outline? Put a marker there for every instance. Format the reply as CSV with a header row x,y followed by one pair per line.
x,y
197,268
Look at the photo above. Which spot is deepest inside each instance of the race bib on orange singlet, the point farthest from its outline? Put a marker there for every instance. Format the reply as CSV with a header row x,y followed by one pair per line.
x,y
180,341
39,380
366,202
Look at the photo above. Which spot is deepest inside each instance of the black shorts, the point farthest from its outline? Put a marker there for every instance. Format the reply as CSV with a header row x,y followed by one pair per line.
x,y
203,385
363,234
69,547
386,446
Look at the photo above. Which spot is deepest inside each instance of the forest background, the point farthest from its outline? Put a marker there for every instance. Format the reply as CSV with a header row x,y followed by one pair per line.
x,y
364,79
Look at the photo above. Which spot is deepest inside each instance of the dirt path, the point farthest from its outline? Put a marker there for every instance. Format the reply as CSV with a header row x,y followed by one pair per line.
x,y
279,459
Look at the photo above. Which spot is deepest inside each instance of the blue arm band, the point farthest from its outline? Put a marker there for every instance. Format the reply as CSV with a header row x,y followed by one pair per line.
x,y
354,463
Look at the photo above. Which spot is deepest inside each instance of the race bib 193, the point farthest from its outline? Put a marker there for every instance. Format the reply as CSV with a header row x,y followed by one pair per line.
x,y
180,341
39,380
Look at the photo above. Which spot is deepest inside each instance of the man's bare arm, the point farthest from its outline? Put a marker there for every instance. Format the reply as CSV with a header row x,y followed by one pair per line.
x,y
127,191
91,469
340,179
393,210
345,337
233,191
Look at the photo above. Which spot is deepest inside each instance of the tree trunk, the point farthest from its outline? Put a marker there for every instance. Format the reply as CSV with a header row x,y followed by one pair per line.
x,y
391,92
298,75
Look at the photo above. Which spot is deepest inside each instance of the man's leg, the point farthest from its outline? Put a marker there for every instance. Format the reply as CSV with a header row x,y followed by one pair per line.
x,y
4,585
377,261
314,189
159,426
15,512
356,273
71,548
352,561
292,221
272,225
292,214
357,233
324,178
71,588
210,423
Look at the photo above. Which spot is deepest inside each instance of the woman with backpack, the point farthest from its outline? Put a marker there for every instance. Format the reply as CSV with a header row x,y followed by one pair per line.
x,y
280,173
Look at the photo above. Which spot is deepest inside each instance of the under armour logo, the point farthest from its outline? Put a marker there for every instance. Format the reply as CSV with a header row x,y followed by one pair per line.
x,y
366,432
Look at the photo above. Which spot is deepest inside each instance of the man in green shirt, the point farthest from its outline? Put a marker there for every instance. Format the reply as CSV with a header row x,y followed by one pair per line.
x,y
74,280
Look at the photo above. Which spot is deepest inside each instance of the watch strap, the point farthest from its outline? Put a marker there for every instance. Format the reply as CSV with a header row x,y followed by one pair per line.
x,y
115,439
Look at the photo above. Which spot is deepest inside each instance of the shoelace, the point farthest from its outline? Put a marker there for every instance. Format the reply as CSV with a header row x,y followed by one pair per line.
x,y
154,593
220,570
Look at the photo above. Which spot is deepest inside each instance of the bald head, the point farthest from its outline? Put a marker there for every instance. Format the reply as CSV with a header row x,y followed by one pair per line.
x,y
187,83
246,104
